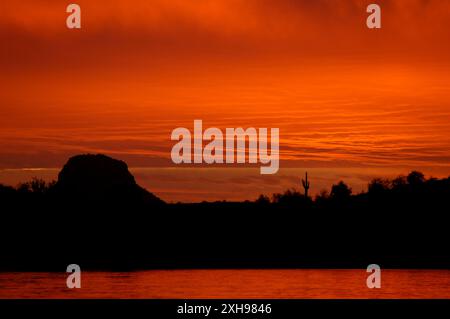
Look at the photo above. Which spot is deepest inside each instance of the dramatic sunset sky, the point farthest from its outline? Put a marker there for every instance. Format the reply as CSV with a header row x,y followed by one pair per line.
x,y
351,103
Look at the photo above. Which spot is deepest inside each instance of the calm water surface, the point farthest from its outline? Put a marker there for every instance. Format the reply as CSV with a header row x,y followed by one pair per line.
x,y
186,284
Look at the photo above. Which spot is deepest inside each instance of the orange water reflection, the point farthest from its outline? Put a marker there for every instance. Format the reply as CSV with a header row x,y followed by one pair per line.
x,y
187,284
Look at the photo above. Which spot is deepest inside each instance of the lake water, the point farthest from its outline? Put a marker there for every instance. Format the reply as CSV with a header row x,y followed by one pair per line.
x,y
228,284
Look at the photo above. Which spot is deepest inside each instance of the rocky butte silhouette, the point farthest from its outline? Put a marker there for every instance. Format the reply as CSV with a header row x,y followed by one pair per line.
x,y
99,179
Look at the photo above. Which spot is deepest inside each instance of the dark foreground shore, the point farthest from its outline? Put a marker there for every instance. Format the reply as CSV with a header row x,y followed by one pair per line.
x,y
96,216
222,236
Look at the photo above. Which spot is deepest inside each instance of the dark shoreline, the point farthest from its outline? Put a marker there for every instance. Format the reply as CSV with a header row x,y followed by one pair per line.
x,y
190,236
98,217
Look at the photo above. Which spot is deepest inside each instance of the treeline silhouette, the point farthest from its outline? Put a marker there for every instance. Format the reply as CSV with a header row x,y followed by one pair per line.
x,y
96,216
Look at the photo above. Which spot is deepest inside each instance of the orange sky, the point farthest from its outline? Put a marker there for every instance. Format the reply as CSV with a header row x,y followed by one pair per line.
x,y
344,97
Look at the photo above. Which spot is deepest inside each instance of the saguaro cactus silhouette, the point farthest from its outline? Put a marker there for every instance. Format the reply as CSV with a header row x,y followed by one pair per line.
x,y
305,184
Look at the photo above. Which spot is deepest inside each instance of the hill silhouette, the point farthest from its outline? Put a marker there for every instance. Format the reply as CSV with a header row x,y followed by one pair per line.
x,y
97,216
99,179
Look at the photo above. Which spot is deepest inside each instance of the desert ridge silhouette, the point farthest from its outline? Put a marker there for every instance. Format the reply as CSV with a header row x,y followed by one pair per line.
x,y
95,213
101,180
97,216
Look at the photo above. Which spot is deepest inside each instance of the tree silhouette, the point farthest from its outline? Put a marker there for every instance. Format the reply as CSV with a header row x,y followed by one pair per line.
x,y
378,188
35,186
415,178
340,191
